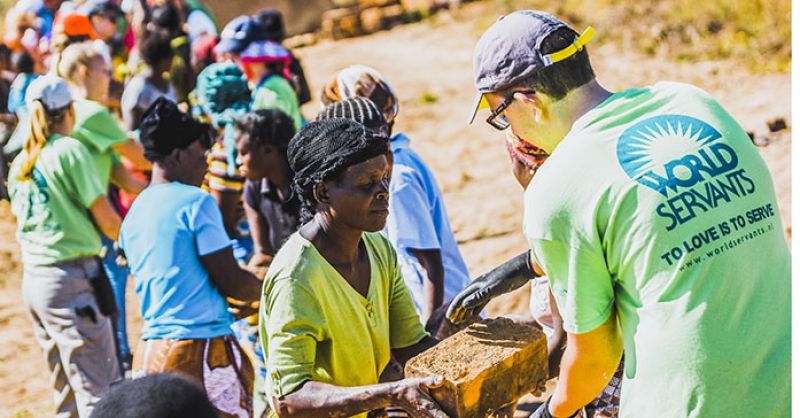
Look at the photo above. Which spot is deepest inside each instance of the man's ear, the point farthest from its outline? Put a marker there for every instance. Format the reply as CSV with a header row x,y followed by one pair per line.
x,y
528,97
321,193
533,101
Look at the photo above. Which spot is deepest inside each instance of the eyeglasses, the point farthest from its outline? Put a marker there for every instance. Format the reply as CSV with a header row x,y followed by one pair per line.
x,y
497,119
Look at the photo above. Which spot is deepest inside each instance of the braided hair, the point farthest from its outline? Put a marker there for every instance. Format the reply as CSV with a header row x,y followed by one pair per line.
x,y
323,149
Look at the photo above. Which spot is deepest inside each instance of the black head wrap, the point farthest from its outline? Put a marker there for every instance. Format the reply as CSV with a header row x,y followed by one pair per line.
x,y
323,149
165,128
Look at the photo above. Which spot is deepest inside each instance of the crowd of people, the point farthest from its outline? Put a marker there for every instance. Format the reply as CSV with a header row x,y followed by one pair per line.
x,y
290,266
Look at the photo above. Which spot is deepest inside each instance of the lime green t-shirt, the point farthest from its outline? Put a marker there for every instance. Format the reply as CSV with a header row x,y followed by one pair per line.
x,y
52,207
99,131
274,92
315,326
657,206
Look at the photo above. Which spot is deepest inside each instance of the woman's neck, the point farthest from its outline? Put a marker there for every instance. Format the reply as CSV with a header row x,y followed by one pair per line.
x,y
78,92
336,242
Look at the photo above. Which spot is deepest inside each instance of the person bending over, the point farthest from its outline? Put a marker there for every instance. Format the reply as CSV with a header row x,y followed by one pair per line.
x,y
335,307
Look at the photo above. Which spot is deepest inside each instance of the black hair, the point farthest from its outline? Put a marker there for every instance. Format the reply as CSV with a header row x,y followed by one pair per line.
x,y
560,78
22,62
272,21
266,127
156,47
167,17
5,51
162,395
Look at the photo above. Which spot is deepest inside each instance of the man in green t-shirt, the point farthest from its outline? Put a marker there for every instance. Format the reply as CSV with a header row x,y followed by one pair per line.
x,y
656,222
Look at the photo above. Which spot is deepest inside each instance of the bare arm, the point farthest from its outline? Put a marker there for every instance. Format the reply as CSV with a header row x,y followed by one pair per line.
x,y
433,282
227,202
134,153
403,355
589,362
259,231
316,399
104,216
229,277
123,178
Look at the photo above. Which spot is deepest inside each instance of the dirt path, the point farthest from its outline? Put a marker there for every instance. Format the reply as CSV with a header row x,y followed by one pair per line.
x,y
429,66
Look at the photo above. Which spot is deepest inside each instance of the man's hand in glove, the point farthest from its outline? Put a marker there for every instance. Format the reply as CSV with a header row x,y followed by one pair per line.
x,y
543,411
511,275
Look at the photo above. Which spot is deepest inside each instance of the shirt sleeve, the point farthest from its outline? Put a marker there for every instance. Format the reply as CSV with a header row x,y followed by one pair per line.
x,y
405,328
582,286
410,222
291,325
81,174
102,130
209,231
251,192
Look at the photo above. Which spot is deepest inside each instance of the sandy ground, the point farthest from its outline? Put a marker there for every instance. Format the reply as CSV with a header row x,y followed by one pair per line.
x,y
429,66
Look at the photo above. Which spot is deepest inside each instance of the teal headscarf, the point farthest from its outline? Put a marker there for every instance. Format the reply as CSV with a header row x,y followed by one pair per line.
x,y
223,95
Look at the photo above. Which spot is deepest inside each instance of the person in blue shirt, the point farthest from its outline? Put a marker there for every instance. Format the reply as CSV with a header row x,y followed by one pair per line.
x,y
183,266
418,226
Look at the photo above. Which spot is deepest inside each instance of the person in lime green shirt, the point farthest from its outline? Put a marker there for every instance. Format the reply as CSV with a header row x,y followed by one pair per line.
x,y
656,222
60,203
88,76
335,308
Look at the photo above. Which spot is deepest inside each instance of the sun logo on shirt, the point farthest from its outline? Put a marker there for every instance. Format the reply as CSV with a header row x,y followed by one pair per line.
x,y
665,150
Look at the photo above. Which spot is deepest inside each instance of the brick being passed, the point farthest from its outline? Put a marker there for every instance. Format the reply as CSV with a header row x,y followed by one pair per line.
x,y
486,366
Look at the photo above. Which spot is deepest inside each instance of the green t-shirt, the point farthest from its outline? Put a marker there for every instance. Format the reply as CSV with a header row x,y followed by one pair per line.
x,y
99,131
657,206
315,326
274,92
53,220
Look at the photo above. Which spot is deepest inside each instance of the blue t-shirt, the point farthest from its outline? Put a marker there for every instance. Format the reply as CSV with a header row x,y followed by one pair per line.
x,y
168,228
418,219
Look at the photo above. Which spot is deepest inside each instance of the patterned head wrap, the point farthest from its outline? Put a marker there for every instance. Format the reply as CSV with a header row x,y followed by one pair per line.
x,y
363,81
223,95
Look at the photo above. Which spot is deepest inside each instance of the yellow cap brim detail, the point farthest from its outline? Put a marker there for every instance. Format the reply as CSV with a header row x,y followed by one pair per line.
x,y
572,49
479,103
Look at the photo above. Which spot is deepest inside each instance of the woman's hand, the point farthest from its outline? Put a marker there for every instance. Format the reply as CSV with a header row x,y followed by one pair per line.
x,y
412,395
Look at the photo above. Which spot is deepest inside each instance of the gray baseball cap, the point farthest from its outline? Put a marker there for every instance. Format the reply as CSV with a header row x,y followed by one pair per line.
x,y
51,90
509,51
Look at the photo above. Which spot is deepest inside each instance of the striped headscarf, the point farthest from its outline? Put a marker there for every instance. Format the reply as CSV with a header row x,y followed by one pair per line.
x,y
359,109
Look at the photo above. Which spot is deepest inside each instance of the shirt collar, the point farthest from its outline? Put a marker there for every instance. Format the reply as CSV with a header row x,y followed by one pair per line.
x,y
399,141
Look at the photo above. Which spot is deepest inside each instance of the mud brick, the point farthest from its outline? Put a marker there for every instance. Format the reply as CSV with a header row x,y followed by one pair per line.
x,y
341,23
423,6
376,3
486,366
371,19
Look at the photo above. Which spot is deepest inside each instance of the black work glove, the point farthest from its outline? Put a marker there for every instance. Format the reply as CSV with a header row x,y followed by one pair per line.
x,y
543,411
511,275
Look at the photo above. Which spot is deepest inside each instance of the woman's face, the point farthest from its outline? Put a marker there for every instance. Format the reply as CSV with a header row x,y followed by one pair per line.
x,y
258,161
98,80
359,197
104,26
